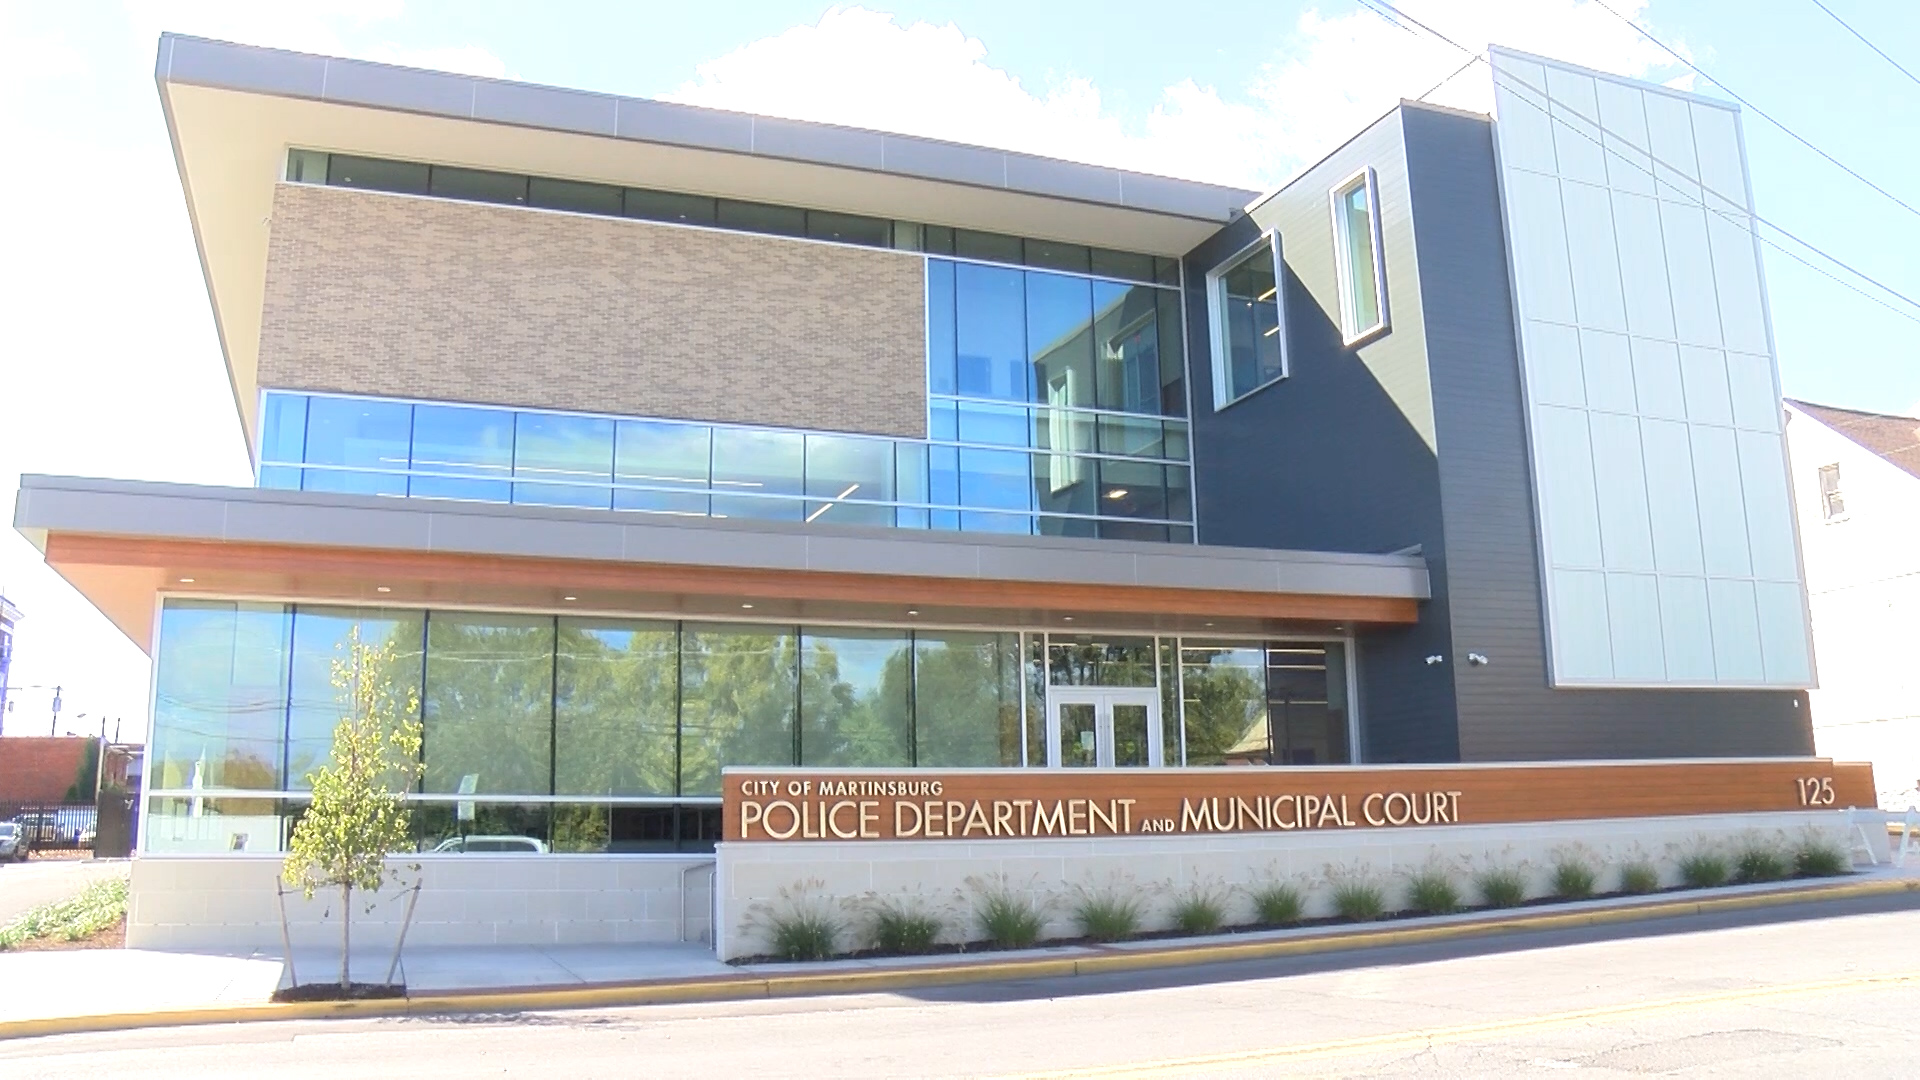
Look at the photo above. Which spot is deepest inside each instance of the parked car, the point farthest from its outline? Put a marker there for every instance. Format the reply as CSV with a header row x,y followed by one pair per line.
x,y
39,827
492,845
13,842
87,837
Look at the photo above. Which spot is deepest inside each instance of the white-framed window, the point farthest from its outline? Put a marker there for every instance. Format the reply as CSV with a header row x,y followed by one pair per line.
x,y
1246,314
1359,257
1833,505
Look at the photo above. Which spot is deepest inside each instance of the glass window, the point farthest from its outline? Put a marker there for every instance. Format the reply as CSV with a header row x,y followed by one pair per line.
x,y
1307,702
1223,703
1170,703
757,463
319,639
220,695
615,708
1100,660
1176,444
849,228
738,688
595,827
1004,524
843,467
673,458
937,239
1166,271
995,425
489,704
481,826
992,247
966,699
1179,493
943,421
854,698
1062,479
1132,437
669,206
943,476
762,218
940,370
1832,503
990,332
283,430
212,826
575,196
1122,264
358,433
340,482
1126,337
476,185
1132,489
1133,530
1049,255
306,167
1060,339
460,441
376,174
576,451
1249,339
995,480
1173,354
281,477
1357,254
1068,526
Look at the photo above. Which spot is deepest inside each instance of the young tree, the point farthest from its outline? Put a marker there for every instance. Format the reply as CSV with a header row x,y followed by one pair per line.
x,y
358,815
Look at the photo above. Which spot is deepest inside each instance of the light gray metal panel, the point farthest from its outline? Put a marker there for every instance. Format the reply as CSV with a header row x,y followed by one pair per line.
x,y
935,160
266,71
1066,179
356,82
329,523
818,142
481,534
685,125
545,107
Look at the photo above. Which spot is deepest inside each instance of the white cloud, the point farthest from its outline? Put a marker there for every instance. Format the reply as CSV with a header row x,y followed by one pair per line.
x,y
1337,73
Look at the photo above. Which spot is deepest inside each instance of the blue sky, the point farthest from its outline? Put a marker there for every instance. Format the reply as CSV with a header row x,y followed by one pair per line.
x,y
107,349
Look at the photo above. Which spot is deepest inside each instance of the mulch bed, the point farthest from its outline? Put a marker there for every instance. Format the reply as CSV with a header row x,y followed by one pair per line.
x,y
331,991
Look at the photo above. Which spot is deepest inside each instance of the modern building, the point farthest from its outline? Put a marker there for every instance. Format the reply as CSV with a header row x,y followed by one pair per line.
x,y
1856,484
656,439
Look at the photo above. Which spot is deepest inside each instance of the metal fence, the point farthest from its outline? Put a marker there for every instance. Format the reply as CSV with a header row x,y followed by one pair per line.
x,y
54,827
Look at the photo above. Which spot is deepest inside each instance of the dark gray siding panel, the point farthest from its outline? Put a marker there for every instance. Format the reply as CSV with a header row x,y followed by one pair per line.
x,y
1507,711
1339,455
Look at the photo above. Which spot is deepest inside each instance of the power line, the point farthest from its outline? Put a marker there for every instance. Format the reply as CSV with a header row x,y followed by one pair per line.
x,y
1471,60
1758,111
1424,26
1864,41
1388,19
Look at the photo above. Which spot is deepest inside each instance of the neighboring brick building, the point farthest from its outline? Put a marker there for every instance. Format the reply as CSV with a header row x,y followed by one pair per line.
x,y
39,768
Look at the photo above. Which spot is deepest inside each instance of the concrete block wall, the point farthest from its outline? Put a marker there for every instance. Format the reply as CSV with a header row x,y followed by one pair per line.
x,y
757,880
228,902
402,296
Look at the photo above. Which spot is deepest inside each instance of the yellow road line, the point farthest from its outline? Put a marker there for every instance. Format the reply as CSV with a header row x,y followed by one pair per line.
x,y
1466,1032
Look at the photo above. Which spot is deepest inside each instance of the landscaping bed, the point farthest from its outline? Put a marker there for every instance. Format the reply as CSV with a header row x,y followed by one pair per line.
x,y
95,919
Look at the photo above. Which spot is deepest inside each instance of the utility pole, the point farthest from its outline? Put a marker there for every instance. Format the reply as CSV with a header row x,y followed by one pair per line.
x,y
55,728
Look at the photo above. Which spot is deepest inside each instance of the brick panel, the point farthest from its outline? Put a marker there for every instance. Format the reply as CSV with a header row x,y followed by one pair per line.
x,y
39,769
424,298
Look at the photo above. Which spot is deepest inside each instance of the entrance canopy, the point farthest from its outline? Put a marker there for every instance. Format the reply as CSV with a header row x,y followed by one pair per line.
x,y
123,543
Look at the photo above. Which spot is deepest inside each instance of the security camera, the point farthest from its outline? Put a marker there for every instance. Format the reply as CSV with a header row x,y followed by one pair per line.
x,y
1476,658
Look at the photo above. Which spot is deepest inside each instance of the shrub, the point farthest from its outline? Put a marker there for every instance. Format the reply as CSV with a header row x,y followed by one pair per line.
x,y
1703,870
1276,904
1106,914
1501,886
1757,863
902,925
1432,892
1639,878
1818,858
99,906
1201,909
1359,899
803,932
1008,917
1573,878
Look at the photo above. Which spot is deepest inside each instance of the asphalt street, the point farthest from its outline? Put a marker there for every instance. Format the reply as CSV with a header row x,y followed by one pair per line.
x,y
1812,990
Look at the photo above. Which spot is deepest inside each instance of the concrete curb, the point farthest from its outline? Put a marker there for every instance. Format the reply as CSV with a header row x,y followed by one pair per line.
x,y
801,984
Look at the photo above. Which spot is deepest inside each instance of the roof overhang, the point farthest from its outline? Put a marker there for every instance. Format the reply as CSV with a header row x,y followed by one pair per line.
x,y
233,111
124,543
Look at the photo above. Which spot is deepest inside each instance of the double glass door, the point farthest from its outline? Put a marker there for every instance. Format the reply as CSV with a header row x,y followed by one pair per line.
x,y
1104,727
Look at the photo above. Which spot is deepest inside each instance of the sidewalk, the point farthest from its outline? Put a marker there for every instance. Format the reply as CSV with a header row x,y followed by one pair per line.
x,y
51,992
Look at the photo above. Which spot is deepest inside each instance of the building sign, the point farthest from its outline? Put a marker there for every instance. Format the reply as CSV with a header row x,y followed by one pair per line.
x,y
788,805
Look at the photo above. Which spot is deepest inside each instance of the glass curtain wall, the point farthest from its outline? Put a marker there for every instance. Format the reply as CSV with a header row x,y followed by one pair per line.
x,y
573,733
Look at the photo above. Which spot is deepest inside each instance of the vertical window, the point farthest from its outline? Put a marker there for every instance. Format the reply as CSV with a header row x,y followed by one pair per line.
x,y
855,698
1359,258
1248,324
1832,504
488,704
